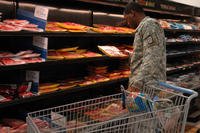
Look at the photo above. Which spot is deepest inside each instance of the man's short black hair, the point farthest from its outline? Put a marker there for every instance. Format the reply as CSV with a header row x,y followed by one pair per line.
x,y
132,6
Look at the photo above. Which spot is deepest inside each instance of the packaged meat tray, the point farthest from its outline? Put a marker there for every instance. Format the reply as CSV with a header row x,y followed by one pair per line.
x,y
53,27
111,29
91,54
68,49
111,51
18,25
71,55
72,26
54,55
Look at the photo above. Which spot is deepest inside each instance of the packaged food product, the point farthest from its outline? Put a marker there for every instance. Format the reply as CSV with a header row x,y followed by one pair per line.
x,y
53,27
71,55
111,51
72,26
91,54
54,55
45,86
67,49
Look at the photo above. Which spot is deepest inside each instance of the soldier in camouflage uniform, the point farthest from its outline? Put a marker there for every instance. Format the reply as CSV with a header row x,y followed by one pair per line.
x,y
148,61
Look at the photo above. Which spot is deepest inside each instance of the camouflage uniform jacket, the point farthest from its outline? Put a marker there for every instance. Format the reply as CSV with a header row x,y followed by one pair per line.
x,y
148,61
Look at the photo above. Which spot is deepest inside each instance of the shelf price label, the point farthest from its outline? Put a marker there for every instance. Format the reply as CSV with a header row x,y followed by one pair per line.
x,y
41,12
40,45
41,42
34,77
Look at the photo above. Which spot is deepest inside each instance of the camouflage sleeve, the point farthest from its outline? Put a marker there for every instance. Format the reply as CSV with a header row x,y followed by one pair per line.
x,y
151,53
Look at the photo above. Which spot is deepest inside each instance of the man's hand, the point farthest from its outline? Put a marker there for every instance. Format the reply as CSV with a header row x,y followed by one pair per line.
x,y
122,23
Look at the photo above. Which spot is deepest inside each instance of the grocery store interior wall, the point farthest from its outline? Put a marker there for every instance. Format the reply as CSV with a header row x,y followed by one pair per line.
x,y
189,2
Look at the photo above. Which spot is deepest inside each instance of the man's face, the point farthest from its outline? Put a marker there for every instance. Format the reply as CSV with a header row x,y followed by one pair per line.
x,y
130,19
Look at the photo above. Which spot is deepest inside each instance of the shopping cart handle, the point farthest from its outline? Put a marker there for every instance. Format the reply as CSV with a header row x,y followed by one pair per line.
x,y
176,88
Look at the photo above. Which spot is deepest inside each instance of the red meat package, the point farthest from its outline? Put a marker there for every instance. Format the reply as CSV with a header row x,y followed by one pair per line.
x,y
33,60
21,53
12,61
33,29
7,27
4,129
6,54
91,54
4,99
16,22
13,123
8,89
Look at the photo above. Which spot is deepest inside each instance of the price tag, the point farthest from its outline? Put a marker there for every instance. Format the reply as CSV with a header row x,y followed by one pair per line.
x,y
32,76
41,42
41,12
58,119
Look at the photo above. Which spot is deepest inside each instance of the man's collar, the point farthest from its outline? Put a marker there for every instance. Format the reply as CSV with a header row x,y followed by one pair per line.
x,y
141,23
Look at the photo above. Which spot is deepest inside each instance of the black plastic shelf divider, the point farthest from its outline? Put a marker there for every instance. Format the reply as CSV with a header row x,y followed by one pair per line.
x,y
54,62
60,92
183,43
106,2
63,34
182,68
181,31
80,34
178,54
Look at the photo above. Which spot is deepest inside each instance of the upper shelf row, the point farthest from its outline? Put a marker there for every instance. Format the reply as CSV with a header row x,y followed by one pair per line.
x,y
88,34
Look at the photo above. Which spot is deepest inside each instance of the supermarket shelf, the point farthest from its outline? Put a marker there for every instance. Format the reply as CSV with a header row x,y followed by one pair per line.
x,y
54,62
166,12
184,43
182,68
88,34
120,4
182,31
105,2
60,92
171,55
64,34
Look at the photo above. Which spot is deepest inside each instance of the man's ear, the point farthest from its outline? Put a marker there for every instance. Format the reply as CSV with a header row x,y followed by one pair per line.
x,y
132,13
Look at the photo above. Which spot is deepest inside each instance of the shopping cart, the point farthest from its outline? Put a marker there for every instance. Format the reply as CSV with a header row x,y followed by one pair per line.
x,y
110,114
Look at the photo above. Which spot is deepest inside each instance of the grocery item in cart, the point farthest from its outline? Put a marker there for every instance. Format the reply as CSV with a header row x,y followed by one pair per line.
x,y
75,124
107,113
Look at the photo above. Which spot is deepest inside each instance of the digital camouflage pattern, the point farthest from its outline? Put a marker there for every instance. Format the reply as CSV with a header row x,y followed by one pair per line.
x,y
148,61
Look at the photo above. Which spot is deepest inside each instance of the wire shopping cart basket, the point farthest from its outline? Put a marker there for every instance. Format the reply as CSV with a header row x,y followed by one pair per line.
x,y
119,113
